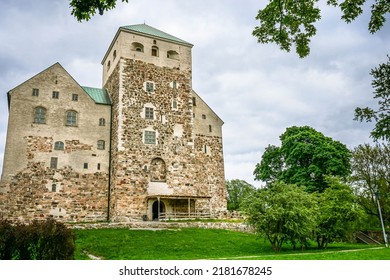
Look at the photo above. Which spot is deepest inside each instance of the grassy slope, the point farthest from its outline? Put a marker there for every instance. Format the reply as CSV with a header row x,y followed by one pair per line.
x,y
189,244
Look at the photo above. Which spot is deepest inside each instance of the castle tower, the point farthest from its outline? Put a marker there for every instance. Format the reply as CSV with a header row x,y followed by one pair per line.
x,y
166,143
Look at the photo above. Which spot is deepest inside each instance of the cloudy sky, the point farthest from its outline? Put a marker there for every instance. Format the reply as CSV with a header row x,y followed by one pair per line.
x,y
258,90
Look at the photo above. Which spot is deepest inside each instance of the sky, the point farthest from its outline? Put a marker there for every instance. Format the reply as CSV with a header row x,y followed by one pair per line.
x,y
257,90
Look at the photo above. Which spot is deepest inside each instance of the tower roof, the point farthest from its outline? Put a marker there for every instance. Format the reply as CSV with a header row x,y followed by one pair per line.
x,y
153,32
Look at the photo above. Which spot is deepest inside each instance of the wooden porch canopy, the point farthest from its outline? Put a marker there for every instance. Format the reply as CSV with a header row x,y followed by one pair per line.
x,y
174,197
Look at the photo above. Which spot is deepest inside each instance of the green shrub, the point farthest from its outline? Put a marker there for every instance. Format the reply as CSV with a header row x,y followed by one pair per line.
x,y
40,240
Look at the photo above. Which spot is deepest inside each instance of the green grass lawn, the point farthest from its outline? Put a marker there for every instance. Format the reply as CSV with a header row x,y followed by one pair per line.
x,y
190,244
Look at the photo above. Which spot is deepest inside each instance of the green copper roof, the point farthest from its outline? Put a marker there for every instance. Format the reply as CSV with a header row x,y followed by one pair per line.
x,y
146,29
100,96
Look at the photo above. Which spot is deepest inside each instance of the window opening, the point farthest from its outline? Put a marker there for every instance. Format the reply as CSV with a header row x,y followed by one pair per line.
x,y
40,115
150,137
101,144
35,92
53,162
71,118
149,113
59,145
102,122
55,95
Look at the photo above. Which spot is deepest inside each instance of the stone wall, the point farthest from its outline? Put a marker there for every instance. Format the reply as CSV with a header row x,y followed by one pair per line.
x,y
39,192
190,170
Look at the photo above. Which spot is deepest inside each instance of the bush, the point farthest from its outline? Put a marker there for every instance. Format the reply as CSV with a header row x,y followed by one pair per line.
x,y
40,240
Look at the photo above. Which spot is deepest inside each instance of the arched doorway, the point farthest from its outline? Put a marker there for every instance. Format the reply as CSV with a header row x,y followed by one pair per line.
x,y
155,209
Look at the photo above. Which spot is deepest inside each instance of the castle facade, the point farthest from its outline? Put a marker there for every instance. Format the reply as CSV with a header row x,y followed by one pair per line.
x,y
145,146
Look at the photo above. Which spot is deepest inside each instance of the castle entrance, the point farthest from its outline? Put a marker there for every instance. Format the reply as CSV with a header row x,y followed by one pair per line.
x,y
156,211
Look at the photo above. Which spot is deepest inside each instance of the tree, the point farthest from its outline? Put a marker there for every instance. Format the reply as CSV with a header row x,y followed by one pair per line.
x,y
381,85
282,213
371,174
85,9
304,158
237,190
291,22
338,215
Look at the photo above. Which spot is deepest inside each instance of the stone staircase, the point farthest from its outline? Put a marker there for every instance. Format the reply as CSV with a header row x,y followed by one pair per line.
x,y
364,238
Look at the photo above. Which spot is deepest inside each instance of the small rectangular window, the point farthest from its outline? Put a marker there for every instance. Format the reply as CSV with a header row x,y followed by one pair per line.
x,y
102,122
35,92
204,116
150,137
53,162
98,166
174,84
85,165
55,95
101,144
149,87
149,113
75,97
193,101
210,128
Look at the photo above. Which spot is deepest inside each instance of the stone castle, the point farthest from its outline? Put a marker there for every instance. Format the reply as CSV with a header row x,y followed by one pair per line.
x,y
145,146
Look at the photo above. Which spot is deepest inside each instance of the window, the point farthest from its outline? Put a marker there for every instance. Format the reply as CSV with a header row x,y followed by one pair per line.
x,y
205,149
174,104
108,65
75,97
53,187
138,47
154,42
193,101
101,144
174,84
40,115
210,128
154,51
85,165
53,162
149,113
59,145
55,95
173,55
102,122
71,118
35,92
114,55
204,116
150,137
98,166
149,87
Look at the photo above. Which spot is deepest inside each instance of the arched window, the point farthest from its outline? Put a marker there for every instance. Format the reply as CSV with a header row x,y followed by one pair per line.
x,y
138,47
40,115
114,55
71,118
108,65
158,170
59,145
154,51
102,122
